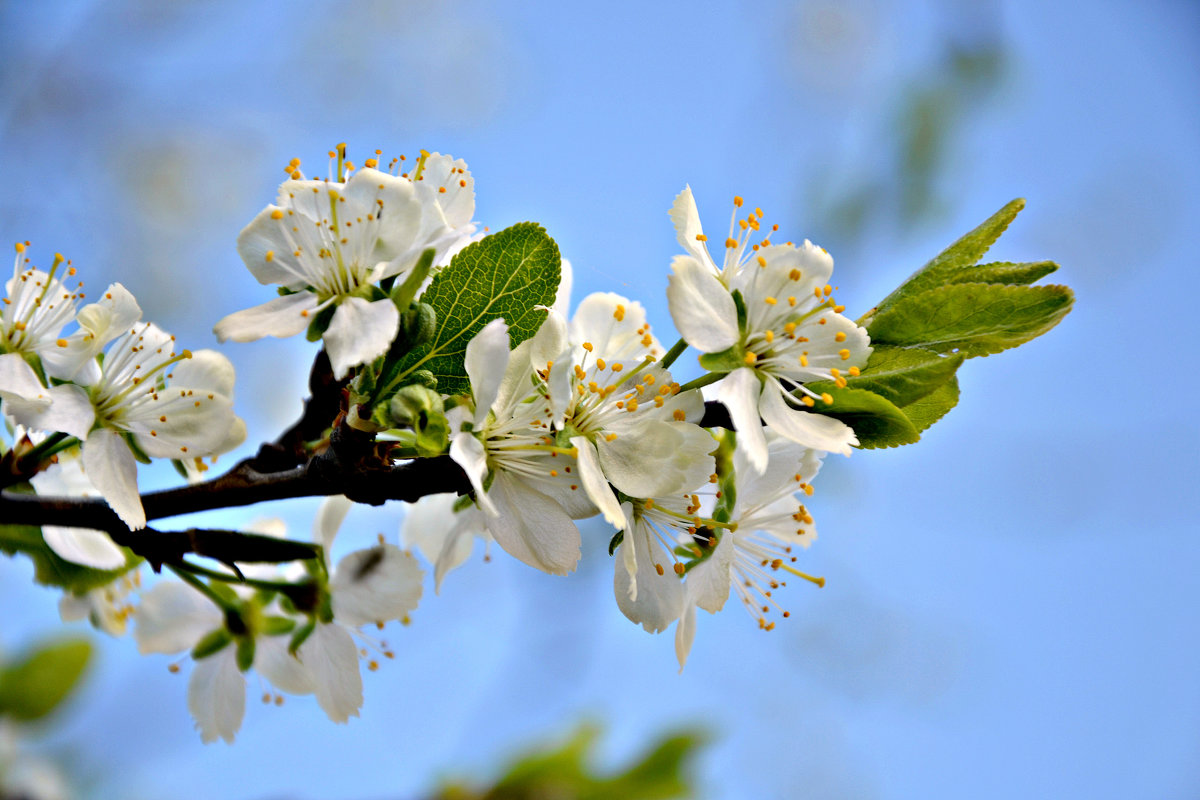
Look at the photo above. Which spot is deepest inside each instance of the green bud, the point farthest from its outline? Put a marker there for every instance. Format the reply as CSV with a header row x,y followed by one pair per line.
x,y
419,322
412,406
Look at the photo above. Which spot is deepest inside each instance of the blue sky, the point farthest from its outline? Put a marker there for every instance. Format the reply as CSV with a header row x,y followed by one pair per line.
x,y
1010,606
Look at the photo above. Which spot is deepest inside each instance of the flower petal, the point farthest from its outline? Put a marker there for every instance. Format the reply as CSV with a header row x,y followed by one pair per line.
x,y
658,599
172,617
282,317
595,484
468,452
486,362
740,391
217,696
686,219
84,546
330,515
361,331
111,468
274,662
701,307
375,585
680,461
809,429
18,381
685,634
70,411
331,658
532,527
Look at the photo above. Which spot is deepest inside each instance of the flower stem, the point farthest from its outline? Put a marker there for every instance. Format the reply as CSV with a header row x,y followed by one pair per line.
x,y
703,380
675,352
270,586
182,569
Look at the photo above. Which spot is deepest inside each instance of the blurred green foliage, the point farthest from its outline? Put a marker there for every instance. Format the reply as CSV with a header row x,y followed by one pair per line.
x,y
564,773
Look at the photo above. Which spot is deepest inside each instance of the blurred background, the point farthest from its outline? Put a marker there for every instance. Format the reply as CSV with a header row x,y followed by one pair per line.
x,y
1011,605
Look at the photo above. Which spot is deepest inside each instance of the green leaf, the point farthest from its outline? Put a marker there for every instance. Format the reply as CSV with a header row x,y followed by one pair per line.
x,y
1005,272
933,406
963,253
977,319
506,275
34,685
51,570
903,375
876,421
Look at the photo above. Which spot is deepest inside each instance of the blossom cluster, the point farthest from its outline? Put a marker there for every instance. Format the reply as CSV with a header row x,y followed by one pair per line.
x,y
443,342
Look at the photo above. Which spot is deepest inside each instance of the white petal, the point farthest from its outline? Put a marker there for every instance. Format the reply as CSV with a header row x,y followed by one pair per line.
x,y
468,453
739,392
658,599
172,617
83,546
284,670
400,215
486,361
111,468
18,381
458,200
332,660
70,411
360,332
657,458
374,585
809,429
330,515
708,582
595,484
442,535
267,235
532,527
207,370
217,696
282,317
701,307
686,219
685,634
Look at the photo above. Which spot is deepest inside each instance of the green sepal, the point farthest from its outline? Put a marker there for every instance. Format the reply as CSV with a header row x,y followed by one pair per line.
x,y
179,468
743,318
283,291
933,406
211,643
245,652
963,253
138,453
320,323
724,361
462,503
976,319
403,294
876,421
50,569
35,683
278,626
901,375
615,542
726,477
301,636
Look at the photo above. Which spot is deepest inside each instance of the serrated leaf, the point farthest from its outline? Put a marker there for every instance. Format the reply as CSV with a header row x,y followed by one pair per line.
x,y
963,253
933,406
902,375
977,319
35,684
505,275
51,570
1006,272
876,421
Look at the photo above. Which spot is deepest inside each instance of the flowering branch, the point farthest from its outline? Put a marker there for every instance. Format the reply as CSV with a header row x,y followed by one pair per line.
x,y
453,377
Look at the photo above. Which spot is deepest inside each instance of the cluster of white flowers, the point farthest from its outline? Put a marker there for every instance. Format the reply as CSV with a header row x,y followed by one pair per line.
x,y
582,419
